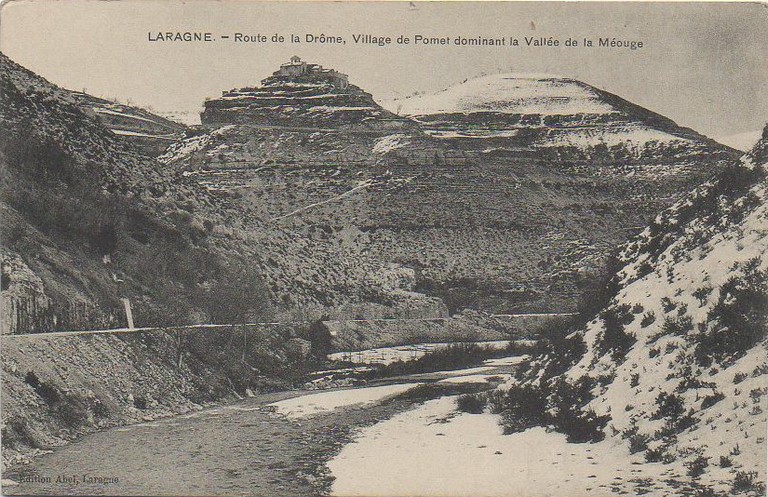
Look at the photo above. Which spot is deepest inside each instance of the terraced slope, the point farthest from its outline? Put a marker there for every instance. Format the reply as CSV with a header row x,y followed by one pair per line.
x,y
306,97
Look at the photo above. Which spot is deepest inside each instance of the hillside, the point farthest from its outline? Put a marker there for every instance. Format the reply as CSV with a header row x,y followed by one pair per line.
x,y
506,225
87,221
675,363
150,133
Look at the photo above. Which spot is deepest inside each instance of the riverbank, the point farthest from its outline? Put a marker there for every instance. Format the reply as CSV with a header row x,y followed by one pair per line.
x,y
244,448
56,389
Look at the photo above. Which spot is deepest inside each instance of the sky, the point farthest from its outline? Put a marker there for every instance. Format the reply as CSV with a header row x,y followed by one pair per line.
x,y
702,64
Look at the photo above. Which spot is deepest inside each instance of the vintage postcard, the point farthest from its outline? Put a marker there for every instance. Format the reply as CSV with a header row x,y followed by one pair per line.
x,y
433,249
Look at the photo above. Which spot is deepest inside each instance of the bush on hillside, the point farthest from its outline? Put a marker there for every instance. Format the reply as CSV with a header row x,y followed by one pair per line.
x,y
739,320
521,407
615,339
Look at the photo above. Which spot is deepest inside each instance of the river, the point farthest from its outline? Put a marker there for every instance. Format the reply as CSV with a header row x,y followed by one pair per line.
x,y
273,444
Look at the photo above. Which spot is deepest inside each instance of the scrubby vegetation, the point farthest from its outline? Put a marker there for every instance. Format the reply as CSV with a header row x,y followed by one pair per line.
x,y
454,356
615,339
739,319
473,403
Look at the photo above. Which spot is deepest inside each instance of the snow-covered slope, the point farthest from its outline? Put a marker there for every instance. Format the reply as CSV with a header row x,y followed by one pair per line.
x,y
508,94
547,112
677,361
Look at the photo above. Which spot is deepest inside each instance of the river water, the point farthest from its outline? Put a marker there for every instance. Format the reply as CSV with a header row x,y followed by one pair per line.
x,y
274,444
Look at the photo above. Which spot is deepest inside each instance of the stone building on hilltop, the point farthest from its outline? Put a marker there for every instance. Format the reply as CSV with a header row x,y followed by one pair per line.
x,y
298,70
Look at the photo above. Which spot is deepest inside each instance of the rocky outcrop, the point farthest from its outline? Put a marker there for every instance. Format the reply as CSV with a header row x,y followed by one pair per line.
x,y
95,221
301,95
149,133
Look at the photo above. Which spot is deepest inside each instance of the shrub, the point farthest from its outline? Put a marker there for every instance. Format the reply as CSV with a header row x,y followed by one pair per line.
x,y
739,377
615,338
711,400
697,466
760,370
496,401
584,426
565,410
562,350
473,403
667,304
739,316
678,326
638,442
454,356
702,294
659,454
634,379
756,393
524,407
670,406
647,319
725,462
746,481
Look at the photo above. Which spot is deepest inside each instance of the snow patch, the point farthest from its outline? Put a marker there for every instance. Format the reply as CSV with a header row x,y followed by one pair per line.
x,y
324,402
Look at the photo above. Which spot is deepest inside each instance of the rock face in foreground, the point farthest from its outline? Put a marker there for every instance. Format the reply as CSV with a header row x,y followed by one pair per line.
x,y
88,221
676,361
506,197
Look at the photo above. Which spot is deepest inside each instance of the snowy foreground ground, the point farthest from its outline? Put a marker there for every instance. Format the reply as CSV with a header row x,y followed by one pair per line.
x,y
435,450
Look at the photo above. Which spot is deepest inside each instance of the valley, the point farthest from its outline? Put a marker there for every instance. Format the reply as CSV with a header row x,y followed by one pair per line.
x,y
520,284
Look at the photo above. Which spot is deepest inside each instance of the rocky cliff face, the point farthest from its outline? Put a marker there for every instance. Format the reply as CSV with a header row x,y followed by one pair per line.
x,y
491,200
676,363
149,133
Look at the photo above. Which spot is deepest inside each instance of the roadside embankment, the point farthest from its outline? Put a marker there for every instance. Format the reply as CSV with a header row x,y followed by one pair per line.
x,y
58,388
